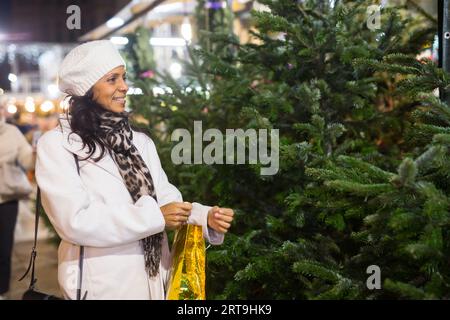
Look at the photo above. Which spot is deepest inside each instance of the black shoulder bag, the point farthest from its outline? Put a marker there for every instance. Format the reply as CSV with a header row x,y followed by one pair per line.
x,y
32,293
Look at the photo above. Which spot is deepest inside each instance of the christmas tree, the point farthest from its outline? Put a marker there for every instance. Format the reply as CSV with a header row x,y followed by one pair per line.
x,y
363,142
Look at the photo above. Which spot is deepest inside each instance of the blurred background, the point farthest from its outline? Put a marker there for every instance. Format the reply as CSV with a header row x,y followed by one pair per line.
x,y
169,88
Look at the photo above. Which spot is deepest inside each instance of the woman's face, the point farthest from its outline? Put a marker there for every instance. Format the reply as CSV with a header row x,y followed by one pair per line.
x,y
111,89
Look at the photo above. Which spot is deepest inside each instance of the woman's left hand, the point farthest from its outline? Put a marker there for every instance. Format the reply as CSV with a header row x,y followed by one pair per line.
x,y
220,219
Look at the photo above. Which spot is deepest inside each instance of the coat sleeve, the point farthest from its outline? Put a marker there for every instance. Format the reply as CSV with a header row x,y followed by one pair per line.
x,y
24,151
167,192
75,216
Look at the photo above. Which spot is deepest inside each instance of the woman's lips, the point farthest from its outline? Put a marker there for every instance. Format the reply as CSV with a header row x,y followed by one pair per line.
x,y
119,100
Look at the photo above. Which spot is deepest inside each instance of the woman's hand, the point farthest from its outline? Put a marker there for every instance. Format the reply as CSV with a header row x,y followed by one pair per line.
x,y
220,219
176,214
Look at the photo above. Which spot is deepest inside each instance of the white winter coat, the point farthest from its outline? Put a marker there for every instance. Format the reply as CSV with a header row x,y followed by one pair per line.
x,y
95,209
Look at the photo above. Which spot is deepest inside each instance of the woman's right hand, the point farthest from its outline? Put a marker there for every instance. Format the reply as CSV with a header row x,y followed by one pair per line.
x,y
176,214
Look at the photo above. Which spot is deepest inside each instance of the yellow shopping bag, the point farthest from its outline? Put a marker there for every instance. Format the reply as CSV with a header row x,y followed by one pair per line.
x,y
187,275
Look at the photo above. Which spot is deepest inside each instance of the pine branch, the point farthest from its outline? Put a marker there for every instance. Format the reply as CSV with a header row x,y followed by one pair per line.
x,y
358,189
373,171
405,290
315,269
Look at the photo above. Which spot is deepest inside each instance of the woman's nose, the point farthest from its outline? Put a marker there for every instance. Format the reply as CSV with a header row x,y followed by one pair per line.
x,y
123,86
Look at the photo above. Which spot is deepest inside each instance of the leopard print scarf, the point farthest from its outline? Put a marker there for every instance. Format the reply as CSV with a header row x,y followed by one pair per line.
x,y
118,137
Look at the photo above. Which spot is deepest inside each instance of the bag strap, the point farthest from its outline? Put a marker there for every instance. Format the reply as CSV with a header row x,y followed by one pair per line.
x,y
31,265
33,249
81,257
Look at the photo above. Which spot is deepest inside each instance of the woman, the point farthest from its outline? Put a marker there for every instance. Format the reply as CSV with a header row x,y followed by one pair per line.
x,y
120,202
13,148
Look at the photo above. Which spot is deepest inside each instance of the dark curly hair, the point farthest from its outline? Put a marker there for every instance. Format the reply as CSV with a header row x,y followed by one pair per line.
x,y
83,115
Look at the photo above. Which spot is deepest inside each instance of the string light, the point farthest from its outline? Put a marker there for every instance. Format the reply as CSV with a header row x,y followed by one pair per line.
x,y
12,77
47,106
119,40
167,42
175,70
29,104
11,108
52,90
186,29
114,22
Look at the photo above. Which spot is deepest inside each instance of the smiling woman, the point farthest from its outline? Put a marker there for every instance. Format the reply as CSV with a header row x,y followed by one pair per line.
x,y
120,203
110,90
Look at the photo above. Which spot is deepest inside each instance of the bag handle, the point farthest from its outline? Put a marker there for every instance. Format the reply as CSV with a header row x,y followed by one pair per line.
x,y
31,265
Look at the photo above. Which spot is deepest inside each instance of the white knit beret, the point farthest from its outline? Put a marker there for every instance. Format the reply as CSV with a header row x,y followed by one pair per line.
x,y
85,64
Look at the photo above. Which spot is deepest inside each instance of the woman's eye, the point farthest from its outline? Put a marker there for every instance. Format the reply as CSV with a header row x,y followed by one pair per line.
x,y
112,80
